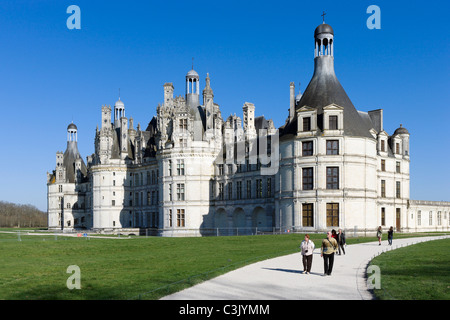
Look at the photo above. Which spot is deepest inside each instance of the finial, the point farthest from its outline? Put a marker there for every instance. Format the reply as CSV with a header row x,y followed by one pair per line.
x,y
119,93
323,17
192,63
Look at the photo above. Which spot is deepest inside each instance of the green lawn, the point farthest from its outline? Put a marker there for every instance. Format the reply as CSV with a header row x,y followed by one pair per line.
x,y
139,267
417,272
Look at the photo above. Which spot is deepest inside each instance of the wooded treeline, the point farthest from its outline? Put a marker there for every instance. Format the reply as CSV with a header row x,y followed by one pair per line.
x,y
21,215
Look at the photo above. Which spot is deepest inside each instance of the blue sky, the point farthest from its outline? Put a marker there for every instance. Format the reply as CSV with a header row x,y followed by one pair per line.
x,y
50,75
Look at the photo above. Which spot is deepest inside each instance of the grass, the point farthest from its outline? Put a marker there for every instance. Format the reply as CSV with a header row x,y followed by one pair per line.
x,y
139,267
418,272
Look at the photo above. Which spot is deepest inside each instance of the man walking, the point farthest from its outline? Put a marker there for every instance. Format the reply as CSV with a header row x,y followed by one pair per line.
x,y
328,248
341,241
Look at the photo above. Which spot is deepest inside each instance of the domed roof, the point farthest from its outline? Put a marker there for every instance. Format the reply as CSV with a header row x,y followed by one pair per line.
x,y
323,28
401,130
72,126
192,73
119,103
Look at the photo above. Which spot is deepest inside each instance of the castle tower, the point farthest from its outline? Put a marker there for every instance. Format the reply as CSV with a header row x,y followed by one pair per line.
x,y
192,89
119,112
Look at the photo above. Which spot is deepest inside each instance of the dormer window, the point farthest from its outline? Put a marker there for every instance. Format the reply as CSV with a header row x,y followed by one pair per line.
x,y
307,124
333,122
183,124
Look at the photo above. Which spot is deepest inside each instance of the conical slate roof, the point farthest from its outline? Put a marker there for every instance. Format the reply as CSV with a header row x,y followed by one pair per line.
x,y
325,89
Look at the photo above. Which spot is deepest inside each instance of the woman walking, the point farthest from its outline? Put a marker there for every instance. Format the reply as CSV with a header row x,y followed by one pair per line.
x,y
329,247
390,235
307,247
379,233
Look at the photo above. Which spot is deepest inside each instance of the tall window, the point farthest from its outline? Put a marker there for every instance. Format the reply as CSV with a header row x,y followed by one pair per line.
x,y
170,167
269,187
239,190
180,167
307,124
430,218
419,218
332,214
383,188
170,217
230,190
332,178
249,189
307,178
221,191
439,218
333,122
397,167
220,168
383,165
307,148
180,218
307,213
180,191
397,190
332,147
383,216
259,192
382,146
397,148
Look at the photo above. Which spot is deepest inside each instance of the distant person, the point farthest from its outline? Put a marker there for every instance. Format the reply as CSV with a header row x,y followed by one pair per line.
x,y
334,234
328,248
390,235
341,241
379,234
307,247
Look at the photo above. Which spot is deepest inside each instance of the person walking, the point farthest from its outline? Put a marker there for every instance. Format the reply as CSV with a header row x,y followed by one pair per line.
x,y
328,248
390,235
307,247
341,241
379,233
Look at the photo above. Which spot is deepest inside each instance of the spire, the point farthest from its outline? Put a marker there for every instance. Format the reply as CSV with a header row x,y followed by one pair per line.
x,y
207,91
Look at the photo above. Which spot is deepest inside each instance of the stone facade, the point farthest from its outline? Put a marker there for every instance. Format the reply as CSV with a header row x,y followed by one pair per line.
x,y
192,172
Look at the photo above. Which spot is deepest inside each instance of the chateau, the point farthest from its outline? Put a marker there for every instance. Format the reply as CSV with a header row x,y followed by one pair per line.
x,y
192,172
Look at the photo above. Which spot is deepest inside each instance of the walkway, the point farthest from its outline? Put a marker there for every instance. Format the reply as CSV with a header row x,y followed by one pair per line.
x,y
282,278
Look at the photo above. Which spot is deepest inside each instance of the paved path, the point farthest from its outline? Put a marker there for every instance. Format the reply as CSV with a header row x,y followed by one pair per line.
x,y
282,278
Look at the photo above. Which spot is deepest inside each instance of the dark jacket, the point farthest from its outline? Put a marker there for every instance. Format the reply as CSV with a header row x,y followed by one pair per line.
x,y
340,238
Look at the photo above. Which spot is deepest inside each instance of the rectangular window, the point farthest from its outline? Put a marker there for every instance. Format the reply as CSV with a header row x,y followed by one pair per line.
x,y
113,203
259,192
307,178
239,190
170,217
307,124
419,218
332,214
180,191
332,178
397,190
170,167
149,199
383,165
170,192
439,218
183,124
332,147
230,190
333,122
383,216
183,143
180,218
220,168
269,187
383,188
221,191
397,167
382,146
307,215
397,148
180,167
430,218
307,148
249,189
